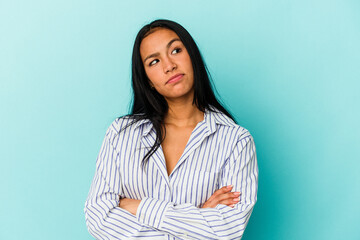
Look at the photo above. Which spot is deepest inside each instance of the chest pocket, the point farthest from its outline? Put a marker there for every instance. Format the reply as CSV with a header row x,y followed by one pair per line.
x,y
195,188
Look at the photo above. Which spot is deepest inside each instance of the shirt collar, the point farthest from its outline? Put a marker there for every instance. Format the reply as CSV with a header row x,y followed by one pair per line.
x,y
212,118
220,118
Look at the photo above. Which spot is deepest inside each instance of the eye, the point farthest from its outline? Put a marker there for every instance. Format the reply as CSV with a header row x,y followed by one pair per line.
x,y
176,50
153,62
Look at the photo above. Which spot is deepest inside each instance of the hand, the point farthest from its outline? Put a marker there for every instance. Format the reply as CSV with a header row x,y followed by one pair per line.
x,y
129,204
223,196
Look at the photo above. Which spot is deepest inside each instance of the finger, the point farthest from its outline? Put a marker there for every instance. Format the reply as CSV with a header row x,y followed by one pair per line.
x,y
220,196
226,196
223,190
227,199
230,201
220,191
227,202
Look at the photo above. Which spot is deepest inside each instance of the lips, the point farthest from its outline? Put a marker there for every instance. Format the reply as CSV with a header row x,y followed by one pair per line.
x,y
175,78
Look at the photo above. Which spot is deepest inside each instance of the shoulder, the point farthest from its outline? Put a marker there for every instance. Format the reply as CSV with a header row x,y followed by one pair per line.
x,y
240,141
127,125
232,129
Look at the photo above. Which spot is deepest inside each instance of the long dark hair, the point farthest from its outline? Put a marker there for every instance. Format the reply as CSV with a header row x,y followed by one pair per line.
x,y
148,103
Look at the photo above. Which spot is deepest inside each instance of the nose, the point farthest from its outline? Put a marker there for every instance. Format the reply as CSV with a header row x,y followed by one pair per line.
x,y
168,65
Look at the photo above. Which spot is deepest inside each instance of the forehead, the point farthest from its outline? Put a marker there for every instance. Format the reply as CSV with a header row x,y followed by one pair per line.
x,y
156,41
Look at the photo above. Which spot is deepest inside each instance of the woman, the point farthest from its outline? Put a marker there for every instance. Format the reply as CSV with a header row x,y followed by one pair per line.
x,y
176,166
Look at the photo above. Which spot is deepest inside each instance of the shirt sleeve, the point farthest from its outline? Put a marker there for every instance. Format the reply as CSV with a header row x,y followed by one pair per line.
x,y
104,219
222,222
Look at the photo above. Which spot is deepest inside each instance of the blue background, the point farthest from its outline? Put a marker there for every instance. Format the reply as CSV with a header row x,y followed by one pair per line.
x,y
288,70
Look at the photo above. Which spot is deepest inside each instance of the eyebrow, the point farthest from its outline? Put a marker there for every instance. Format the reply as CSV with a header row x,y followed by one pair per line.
x,y
167,46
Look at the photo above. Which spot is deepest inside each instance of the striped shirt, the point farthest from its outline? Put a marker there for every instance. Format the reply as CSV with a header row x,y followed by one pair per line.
x,y
218,153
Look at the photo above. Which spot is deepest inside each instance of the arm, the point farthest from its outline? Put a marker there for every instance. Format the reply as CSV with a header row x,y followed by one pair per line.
x,y
104,219
210,223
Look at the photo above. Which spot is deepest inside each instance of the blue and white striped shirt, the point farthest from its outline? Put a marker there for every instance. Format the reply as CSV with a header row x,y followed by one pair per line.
x,y
218,153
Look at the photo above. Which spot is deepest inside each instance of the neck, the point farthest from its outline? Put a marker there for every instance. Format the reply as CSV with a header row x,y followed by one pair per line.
x,y
183,113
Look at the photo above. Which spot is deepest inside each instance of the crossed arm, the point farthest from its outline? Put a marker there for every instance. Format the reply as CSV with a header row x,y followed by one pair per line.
x,y
222,216
222,196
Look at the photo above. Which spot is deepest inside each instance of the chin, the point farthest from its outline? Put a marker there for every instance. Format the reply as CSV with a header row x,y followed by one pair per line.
x,y
180,95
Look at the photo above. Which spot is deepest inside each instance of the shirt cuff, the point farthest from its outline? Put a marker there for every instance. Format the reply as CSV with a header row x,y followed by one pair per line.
x,y
151,212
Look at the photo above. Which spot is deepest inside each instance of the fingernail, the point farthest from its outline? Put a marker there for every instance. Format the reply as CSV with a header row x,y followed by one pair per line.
x,y
236,194
232,205
230,186
236,199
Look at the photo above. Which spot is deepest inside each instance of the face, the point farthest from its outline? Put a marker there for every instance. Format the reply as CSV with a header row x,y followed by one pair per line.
x,y
167,64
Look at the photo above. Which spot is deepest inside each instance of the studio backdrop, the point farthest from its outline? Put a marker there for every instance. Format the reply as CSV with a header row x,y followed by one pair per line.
x,y
289,71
